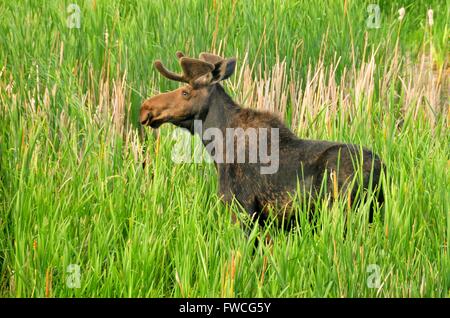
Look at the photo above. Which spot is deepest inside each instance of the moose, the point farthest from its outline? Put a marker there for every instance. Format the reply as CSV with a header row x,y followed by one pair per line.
x,y
303,166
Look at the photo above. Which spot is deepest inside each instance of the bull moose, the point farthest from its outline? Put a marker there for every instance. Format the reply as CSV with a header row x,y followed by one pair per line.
x,y
301,165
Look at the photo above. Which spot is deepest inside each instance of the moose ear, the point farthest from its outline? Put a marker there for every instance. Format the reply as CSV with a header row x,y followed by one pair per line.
x,y
223,70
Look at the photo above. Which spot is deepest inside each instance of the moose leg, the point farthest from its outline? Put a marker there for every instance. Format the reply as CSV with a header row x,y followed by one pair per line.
x,y
254,210
246,202
249,207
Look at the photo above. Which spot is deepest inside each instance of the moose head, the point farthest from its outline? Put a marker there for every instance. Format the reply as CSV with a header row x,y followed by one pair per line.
x,y
191,101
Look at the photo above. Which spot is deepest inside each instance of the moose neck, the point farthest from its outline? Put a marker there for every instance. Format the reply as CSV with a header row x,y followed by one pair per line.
x,y
213,122
220,111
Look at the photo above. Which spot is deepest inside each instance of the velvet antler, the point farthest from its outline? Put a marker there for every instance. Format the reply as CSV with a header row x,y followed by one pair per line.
x,y
209,69
193,69
211,58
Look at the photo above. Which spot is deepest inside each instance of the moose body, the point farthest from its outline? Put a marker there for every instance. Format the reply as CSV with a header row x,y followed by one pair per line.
x,y
302,165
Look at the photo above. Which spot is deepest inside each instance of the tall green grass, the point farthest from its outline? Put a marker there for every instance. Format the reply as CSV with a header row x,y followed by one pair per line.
x,y
73,189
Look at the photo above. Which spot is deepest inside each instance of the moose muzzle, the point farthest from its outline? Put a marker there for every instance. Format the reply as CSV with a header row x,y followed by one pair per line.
x,y
150,115
145,115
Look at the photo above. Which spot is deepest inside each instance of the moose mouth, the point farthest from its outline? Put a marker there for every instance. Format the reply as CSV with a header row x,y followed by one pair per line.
x,y
156,122
152,122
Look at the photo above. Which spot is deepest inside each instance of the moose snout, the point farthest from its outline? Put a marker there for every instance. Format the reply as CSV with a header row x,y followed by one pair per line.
x,y
151,113
145,114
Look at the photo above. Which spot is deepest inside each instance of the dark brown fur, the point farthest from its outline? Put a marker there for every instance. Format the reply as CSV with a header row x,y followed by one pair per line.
x,y
303,163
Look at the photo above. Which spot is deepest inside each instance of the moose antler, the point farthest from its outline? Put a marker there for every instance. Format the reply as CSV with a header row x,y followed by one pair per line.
x,y
170,75
208,69
211,58
193,69
223,67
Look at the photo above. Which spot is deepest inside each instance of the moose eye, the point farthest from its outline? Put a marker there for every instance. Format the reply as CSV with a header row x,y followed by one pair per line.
x,y
185,93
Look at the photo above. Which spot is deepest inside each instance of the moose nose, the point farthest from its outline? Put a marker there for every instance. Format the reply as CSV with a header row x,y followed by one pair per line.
x,y
145,114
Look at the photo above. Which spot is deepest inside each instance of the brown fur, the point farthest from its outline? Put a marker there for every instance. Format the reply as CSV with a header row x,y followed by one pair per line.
x,y
303,163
